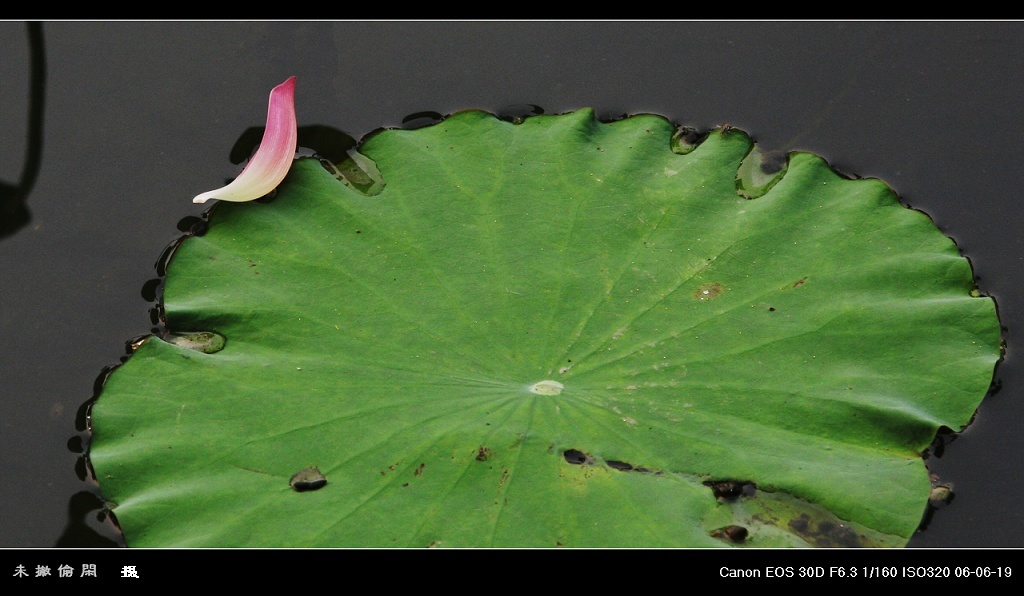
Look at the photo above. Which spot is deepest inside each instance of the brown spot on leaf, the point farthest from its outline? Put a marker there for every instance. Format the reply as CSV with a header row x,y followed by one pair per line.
x,y
827,534
733,533
708,291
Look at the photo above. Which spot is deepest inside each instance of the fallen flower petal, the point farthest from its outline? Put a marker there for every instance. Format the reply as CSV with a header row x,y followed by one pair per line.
x,y
273,159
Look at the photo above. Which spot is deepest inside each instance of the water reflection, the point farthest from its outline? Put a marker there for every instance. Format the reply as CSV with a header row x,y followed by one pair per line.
x,y
91,524
328,142
14,213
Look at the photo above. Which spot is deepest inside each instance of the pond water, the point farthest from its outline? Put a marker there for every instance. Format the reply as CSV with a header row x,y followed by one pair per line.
x,y
139,117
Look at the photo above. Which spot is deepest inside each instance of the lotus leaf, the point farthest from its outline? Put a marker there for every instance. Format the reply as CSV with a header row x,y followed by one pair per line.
x,y
549,332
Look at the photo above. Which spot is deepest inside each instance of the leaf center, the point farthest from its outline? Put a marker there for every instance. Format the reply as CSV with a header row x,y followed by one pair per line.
x,y
547,387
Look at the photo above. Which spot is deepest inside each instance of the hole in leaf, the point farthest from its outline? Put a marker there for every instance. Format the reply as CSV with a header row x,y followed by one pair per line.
x,y
308,479
576,457
730,490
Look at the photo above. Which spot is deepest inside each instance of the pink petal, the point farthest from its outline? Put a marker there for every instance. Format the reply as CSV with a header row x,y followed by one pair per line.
x,y
274,157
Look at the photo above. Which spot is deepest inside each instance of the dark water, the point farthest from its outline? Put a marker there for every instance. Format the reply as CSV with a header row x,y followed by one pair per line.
x,y
140,117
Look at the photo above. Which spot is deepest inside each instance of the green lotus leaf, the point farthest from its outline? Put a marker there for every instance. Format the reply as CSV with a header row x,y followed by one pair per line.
x,y
554,332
